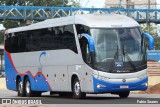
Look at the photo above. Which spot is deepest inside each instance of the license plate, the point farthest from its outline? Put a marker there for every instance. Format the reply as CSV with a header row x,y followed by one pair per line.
x,y
124,86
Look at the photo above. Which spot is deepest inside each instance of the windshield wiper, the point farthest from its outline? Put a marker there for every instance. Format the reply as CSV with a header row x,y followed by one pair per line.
x,y
129,59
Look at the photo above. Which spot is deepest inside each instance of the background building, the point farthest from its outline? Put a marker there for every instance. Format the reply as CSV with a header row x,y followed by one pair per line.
x,y
139,4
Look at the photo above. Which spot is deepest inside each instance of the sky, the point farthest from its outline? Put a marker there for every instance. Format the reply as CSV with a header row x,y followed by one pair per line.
x,y
90,3
100,3
158,2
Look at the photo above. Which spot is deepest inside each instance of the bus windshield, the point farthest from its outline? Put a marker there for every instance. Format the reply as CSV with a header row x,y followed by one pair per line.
x,y
124,45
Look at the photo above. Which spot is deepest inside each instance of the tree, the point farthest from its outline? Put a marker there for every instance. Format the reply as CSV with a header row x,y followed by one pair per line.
x,y
12,24
153,32
34,2
74,3
1,37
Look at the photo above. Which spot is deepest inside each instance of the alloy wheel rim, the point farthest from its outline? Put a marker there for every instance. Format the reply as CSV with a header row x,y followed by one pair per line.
x,y
27,87
77,88
20,86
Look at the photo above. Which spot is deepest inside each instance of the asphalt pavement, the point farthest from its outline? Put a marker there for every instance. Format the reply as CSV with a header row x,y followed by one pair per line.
x,y
90,99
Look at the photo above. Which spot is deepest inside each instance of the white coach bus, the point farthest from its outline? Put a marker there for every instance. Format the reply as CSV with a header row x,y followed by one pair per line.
x,y
77,55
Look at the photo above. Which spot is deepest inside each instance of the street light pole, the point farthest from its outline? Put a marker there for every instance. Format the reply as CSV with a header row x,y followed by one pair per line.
x,y
148,24
17,2
120,3
63,3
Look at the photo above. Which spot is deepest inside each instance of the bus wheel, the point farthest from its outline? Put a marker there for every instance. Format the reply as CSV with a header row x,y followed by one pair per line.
x,y
124,94
20,88
77,90
28,91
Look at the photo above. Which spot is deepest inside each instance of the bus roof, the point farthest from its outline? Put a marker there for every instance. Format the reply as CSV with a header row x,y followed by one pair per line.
x,y
90,20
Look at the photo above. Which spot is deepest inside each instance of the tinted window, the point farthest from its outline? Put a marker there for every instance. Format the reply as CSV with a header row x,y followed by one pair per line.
x,y
84,42
42,39
68,39
8,42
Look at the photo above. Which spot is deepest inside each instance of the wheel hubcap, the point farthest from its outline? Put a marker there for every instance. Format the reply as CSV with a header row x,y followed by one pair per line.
x,y
20,86
77,88
27,87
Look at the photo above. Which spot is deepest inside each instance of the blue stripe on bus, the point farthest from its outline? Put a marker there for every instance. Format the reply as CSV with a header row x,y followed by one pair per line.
x,y
11,74
115,86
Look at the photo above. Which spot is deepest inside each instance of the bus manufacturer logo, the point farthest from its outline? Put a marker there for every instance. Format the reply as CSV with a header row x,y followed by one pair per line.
x,y
119,64
123,80
42,60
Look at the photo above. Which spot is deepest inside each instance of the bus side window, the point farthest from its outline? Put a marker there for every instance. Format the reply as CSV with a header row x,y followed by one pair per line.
x,y
84,43
22,41
68,38
88,57
14,45
85,50
8,42
82,29
58,31
57,38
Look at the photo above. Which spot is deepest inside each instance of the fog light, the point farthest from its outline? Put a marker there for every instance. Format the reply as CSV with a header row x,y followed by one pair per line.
x,y
98,86
145,84
101,86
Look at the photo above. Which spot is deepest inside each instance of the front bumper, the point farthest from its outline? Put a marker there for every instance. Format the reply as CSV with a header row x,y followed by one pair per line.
x,y
101,86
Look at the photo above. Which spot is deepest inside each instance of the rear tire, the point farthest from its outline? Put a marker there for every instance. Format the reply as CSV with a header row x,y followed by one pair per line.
x,y
77,90
29,92
124,94
20,88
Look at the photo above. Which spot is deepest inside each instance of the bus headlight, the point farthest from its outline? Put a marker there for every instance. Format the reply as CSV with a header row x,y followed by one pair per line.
x,y
95,76
142,76
101,77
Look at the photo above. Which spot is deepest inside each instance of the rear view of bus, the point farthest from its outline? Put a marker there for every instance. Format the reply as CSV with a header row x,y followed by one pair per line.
x,y
77,55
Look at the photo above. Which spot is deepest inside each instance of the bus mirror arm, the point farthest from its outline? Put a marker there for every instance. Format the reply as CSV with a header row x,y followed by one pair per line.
x,y
90,41
91,46
150,39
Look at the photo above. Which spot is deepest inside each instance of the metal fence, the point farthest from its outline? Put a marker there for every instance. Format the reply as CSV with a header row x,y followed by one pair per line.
x,y
43,12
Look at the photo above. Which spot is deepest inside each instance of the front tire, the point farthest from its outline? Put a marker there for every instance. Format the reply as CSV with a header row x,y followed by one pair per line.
x,y
124,94
77,90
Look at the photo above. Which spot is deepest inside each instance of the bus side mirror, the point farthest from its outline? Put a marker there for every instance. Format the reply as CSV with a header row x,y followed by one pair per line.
x,y
91,46
150,39
90,42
